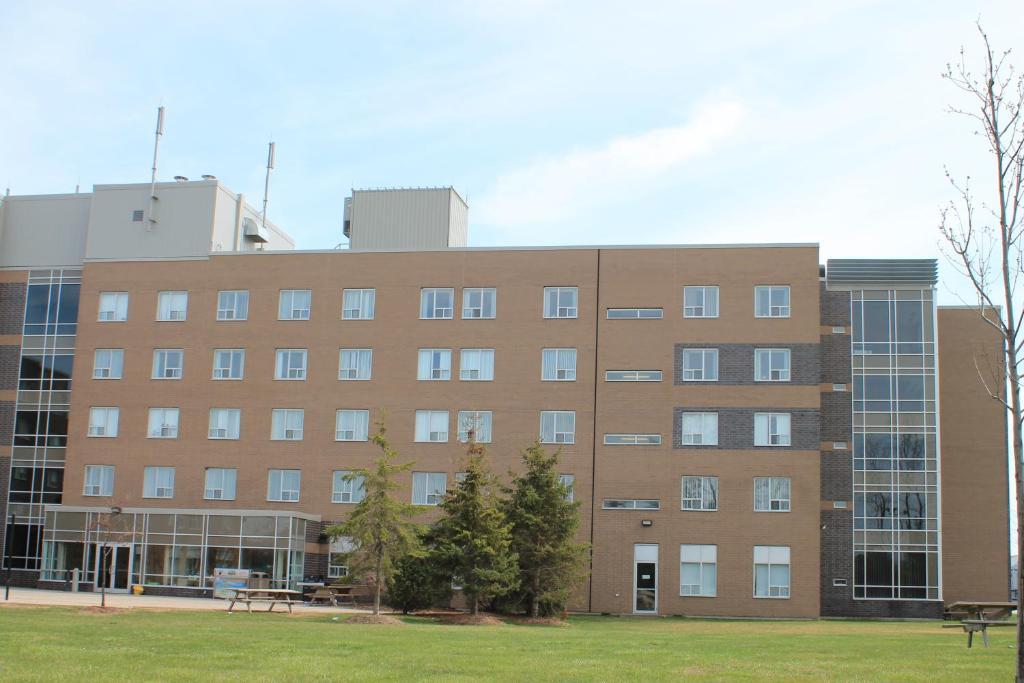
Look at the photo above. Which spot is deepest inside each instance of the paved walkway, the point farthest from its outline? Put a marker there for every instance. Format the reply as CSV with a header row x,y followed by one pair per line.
x,y
32,596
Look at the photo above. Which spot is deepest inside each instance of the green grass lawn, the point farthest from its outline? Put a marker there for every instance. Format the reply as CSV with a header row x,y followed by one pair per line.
x,y
54,643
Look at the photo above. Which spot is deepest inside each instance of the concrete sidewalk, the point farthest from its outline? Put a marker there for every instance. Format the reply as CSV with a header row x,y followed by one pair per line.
x,y
32,596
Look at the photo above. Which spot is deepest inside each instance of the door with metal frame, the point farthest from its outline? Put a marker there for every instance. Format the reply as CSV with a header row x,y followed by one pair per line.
x,y
645,578
118,566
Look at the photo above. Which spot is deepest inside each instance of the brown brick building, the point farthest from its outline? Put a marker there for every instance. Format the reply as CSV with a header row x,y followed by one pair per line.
x,y
750,433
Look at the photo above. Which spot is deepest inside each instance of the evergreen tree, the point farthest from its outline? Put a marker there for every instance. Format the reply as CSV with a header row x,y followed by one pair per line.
x,y
380,527
418,583
472,538
544,524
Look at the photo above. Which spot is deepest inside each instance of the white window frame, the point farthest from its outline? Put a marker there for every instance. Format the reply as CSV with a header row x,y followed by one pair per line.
x,y
479,311
351,425
433,486
568,481
773,556
701,310
165,354
774,310
225,424
773,429
172,306
220,483
158,482
632,439
434,365
358,304
641,313
708,494
553,302
232,304
98,481
113,307
480,420
429,308
108,364
352,373
285,367
163,423
632,376
705,557
287,424
558,365
429,424
290,305
773,365
630,504
103,421
476,365
288,481
551,420
708,424
347,487
690,374
765,490
231,356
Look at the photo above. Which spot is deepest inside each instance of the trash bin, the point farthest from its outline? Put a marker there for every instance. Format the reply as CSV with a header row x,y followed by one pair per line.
x,y
136,589
259,580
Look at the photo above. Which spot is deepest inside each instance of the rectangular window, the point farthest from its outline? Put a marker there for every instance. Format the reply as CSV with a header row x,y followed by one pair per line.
x,y
434,364
432,426
771,571
336,567
771,302
228,363
437,303
558,365
479,303
771,494
557,426
158,482
352,425
233,304
700,365
168,363
358,304
477,420
632,439
348,487
561,302
700,493
632,375
283,485
476,365
290,364
294,304
163,423
99,480
569,482
771,365
700,301
113,307
108,364
771,429
699,429
698,570
103,421
629,504
635,314
355,364
171,305
286,424
428,488
225,423
220,483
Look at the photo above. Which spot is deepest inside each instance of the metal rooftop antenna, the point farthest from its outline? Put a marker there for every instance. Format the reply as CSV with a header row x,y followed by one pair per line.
x,y
152,182
266,185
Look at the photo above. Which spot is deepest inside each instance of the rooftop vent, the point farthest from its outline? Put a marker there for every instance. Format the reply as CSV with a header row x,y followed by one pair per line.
x,y
254,231
209,177
181,178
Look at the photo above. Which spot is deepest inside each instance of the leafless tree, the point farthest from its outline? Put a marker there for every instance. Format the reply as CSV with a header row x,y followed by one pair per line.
x,y
107,529
983,239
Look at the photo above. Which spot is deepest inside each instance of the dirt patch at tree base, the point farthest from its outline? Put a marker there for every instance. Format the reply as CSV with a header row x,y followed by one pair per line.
x,y
472,620
538,621
385,619
102,610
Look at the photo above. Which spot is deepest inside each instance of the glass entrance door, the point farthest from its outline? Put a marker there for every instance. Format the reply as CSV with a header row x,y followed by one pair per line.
x,y
645,579
118,566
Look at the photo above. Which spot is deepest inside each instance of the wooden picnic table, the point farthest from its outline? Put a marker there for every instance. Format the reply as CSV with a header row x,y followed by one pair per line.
x,y
247,596
980,616
336,593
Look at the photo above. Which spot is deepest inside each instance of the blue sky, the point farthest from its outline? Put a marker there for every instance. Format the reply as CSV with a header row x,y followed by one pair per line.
x,y
563,123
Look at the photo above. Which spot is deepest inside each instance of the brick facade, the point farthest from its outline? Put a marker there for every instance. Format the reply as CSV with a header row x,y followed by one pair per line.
x,y
10,364
736,428
12,307
736,362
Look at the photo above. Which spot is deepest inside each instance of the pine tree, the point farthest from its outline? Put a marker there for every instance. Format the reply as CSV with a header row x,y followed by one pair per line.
x,y
472,539
544,523
380,527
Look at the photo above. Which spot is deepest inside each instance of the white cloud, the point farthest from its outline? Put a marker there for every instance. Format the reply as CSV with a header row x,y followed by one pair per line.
x,y
561,187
